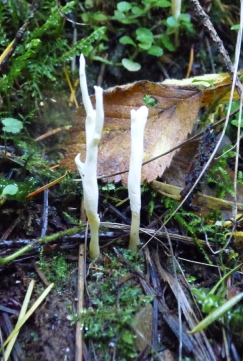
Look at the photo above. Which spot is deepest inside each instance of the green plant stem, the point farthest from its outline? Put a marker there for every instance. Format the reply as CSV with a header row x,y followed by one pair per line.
x,y
38,241
102,60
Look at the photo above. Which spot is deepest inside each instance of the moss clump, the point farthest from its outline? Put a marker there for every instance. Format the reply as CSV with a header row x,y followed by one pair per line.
x,y
115,298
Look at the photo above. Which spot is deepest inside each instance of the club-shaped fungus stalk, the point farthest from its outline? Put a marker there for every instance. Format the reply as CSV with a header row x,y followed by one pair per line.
x,y
138,121
88,170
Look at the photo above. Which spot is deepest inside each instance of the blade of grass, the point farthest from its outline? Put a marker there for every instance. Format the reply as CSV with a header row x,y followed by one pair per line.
x,y
21,315
29,313
224,277
216,314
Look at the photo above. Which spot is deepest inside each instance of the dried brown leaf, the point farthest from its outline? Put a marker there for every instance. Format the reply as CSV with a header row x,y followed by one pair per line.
x,y
168,125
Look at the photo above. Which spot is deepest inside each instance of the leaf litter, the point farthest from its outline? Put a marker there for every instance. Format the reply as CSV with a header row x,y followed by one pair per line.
x,y
169,124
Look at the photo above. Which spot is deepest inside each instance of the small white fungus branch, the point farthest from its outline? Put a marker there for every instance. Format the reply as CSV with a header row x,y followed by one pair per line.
x,y
88,170
138,120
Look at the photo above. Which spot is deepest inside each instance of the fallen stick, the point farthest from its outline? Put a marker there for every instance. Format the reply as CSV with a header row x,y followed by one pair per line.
x,y
199,200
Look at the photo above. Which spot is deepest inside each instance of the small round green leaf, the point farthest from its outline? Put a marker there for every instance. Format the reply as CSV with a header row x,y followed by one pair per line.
x,y
163,3
155,50
235,27
130,65
119,15
10,189
150,101
99,16
124,6
172,22
185,18
235,122
144,46
144,35
127,40
12,125
136,10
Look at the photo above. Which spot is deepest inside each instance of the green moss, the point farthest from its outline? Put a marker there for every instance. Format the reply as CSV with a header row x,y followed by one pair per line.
x,y
55,268
113,306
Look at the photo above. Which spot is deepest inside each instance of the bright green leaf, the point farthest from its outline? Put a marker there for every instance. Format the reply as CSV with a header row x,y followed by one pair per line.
x,y
144,35
34,42
235,123
150,101
127,40
130,65
12,125
127,337
136,10
172,22
155,50
167,42
235,27
145,46
163,3
124,6
99,16
119,15
10,189
185,18
216,314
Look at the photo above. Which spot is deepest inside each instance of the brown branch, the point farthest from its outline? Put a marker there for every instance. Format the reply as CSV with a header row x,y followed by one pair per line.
x,y
19,36
216,39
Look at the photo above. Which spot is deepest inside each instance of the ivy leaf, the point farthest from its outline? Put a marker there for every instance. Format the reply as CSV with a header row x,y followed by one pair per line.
x,y
127,40
12,125
130,65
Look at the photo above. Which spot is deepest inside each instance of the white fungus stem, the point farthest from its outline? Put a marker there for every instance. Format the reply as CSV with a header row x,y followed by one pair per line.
x,y
138,120
88,170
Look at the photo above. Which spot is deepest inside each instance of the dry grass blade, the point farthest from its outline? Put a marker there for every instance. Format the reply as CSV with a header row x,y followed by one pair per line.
x,y
21,315
203,345
200,199
153,232
29,313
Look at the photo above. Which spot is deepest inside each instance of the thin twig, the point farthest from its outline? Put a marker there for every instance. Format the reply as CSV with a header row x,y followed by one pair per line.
x,y
214,36
65,17
19,36
45,213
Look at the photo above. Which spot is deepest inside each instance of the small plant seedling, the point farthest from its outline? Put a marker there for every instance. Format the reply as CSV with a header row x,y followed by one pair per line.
x,y
12,125
150,101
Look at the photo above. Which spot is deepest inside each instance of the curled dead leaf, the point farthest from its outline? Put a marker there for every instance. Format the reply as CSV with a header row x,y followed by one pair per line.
x,y
168,125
